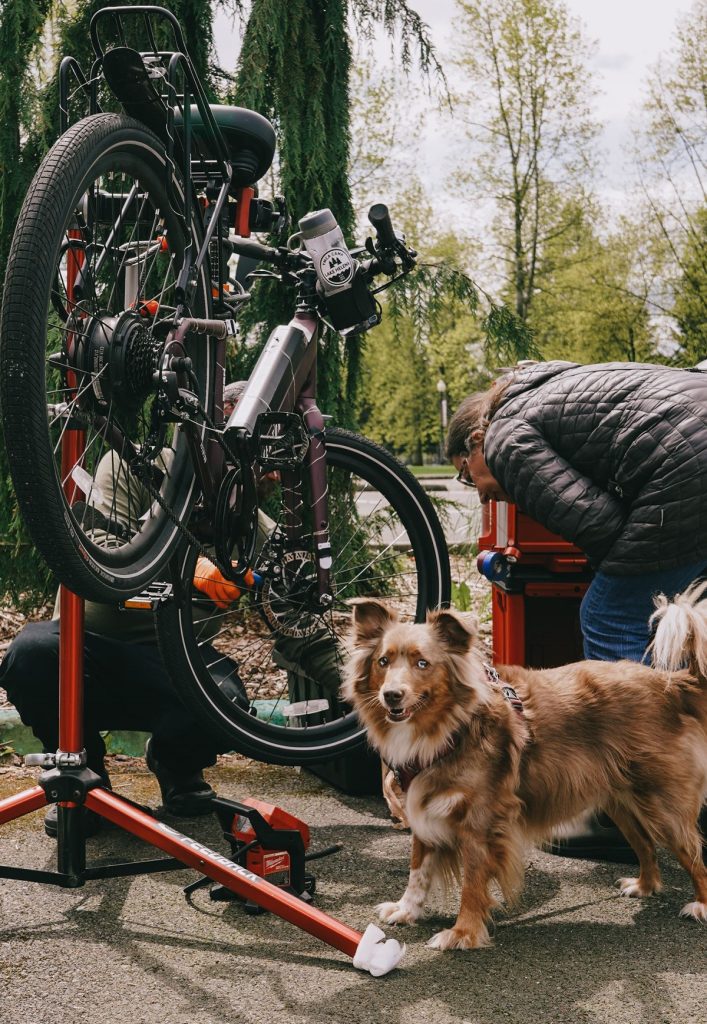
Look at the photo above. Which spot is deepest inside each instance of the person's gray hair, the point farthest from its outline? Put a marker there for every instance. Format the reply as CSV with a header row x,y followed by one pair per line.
x,y
233,392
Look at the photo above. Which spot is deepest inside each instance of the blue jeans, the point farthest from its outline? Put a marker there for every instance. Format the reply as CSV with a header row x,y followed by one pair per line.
x,y
616,609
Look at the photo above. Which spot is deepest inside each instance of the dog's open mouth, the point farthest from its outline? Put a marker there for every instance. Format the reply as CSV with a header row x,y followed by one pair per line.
x,y
399,714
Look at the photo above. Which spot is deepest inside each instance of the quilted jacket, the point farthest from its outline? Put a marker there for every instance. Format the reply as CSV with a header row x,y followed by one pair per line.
x,y
611,456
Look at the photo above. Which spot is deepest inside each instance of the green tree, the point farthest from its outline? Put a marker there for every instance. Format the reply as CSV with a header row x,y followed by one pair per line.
x,y
593,300
690,292
671,152
527,111
430,330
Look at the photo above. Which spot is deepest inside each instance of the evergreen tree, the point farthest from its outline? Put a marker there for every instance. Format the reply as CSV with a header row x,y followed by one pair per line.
x,y
295,67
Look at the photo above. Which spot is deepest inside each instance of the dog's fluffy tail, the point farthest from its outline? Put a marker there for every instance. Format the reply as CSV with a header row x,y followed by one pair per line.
x,y
680,639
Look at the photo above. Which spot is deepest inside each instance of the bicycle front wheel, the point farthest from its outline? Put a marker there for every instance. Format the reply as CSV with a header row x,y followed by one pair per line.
x,y
102,475
266,671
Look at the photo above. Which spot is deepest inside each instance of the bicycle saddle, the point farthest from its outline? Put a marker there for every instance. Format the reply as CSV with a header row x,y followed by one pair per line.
x,y
249,137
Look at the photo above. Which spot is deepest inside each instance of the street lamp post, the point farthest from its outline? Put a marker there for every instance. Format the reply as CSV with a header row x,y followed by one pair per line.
x,y
442,392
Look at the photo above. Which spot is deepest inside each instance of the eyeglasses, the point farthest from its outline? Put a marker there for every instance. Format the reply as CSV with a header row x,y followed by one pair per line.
x,y
463,475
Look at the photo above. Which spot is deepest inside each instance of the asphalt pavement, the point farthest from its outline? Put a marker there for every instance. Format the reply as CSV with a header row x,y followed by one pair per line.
x,y
135,950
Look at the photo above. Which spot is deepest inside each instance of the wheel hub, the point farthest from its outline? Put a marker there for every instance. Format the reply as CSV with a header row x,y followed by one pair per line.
x,y
118,354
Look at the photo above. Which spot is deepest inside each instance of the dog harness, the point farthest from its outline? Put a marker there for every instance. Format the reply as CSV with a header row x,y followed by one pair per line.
x,y
508,692
407,772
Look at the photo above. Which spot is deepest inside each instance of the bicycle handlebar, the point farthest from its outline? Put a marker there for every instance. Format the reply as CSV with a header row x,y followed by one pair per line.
x,y
388,242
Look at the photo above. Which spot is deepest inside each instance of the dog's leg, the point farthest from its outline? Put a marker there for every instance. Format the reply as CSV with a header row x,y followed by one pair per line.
x,y
689,853
395,798
470,930
648,880
412,902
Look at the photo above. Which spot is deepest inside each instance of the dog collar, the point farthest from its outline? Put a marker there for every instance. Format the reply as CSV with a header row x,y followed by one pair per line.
x,y
508,692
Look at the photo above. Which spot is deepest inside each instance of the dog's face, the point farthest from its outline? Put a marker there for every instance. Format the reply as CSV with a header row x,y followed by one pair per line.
x,y
412,680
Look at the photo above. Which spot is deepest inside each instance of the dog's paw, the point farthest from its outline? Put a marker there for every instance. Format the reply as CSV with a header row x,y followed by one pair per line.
x,y
400,824
697,911
455,938
396,913
633,887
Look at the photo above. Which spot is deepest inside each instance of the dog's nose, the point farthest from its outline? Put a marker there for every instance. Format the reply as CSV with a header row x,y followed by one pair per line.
x,y
393,697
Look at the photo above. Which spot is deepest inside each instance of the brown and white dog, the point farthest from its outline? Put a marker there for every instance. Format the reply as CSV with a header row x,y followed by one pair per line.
x,y
485,777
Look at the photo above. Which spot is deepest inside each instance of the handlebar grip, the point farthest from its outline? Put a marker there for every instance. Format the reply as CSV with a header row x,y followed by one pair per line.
x,y
256,250
379,217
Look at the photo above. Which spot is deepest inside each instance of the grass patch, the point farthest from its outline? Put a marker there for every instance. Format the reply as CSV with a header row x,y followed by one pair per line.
x,y
441,471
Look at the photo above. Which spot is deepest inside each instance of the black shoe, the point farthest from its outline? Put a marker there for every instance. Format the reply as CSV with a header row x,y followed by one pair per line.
x,y
603,842
184,794
92,822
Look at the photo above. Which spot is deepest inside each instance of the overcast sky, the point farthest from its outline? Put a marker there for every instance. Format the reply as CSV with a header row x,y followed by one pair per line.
x,y
631,34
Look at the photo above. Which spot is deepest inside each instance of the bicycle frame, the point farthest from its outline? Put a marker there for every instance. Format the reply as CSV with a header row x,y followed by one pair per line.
x,y
284,379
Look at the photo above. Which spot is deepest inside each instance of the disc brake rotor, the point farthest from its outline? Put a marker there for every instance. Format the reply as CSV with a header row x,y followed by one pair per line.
x,y
289,595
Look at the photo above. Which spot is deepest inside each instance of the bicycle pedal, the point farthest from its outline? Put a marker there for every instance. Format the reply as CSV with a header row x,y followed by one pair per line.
x,y
281,440
149,598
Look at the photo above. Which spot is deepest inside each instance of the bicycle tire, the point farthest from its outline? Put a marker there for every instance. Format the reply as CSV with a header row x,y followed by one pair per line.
x,y
188,656
105,166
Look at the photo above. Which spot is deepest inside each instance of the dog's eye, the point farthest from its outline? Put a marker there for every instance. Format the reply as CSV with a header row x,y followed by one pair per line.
x,y
383,661
421,663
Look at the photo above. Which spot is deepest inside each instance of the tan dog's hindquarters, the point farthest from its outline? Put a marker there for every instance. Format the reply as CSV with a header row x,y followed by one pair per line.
x,y
482,779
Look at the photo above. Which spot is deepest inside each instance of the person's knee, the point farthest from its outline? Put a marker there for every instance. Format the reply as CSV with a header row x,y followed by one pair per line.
x,y
30,669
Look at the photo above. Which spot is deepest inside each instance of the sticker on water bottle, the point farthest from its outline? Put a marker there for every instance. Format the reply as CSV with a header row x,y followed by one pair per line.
x,y
336,267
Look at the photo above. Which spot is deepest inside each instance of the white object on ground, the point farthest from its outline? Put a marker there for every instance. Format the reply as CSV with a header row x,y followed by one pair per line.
x,y
376,954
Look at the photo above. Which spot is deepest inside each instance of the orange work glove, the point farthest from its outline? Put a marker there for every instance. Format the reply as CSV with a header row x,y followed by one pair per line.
x,y
210,581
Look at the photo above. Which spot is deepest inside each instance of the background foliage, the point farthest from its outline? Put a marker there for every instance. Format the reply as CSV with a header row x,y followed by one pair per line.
x,y
580,280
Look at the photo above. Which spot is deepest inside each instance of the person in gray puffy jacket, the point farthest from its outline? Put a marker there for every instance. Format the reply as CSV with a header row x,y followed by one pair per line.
x,y
612,457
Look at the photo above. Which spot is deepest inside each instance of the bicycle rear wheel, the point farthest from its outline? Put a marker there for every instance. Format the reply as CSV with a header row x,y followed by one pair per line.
x,y
89,299
244,669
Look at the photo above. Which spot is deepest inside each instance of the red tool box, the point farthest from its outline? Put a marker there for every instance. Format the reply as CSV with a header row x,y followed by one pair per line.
x,y
538,582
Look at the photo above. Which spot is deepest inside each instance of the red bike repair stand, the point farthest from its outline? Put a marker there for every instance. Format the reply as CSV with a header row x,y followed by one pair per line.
x,y
68,782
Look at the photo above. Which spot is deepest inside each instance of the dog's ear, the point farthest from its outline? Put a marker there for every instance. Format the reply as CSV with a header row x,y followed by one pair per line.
x,y
370,619
457,631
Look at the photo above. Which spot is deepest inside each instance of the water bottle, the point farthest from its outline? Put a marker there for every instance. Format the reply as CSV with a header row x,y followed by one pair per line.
x,y
324,241
350,306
